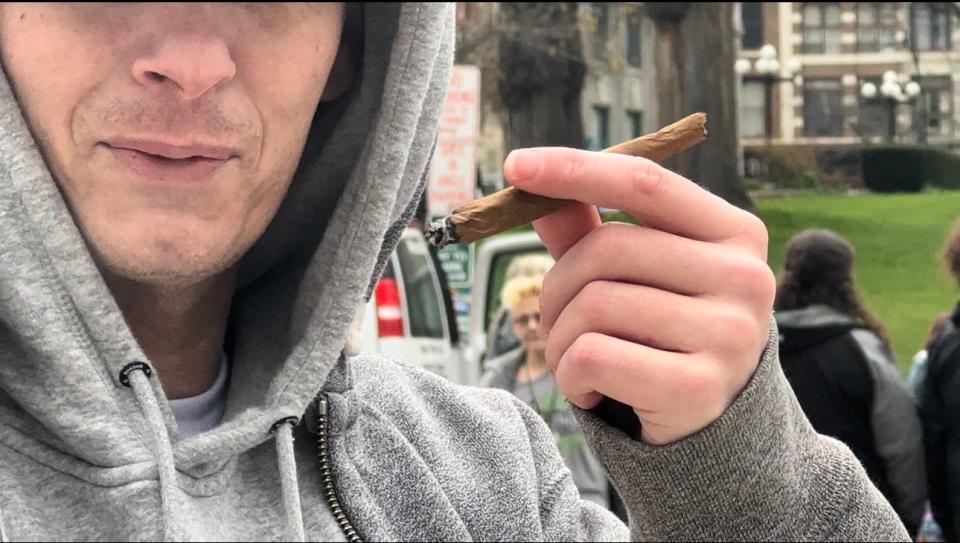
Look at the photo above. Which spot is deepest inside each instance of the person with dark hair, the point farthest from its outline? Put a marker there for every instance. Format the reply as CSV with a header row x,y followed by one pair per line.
x,y
940,408
836,356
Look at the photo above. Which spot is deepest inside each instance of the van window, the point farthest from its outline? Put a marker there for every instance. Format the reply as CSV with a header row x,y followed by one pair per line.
x,y
423,302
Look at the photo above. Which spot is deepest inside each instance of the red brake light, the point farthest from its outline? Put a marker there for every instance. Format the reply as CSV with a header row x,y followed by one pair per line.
x,y
389,314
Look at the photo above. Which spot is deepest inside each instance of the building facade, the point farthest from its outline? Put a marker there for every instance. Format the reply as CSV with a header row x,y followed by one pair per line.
x,y
837,47
618,102
618,97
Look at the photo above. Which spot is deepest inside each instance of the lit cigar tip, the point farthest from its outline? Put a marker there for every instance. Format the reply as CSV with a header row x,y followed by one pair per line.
x,y
441,233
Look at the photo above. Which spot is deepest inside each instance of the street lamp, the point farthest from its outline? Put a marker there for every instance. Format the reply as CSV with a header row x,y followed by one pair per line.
x,y
769,71
895,89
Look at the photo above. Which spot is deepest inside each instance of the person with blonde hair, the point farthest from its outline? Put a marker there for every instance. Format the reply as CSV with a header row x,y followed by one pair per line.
x,y
524,372
500,335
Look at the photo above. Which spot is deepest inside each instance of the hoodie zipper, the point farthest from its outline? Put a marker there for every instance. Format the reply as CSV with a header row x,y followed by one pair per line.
x,y
326,474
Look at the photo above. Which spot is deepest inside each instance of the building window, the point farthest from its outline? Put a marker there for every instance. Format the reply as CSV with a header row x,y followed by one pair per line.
x,y
872,114
635,118
936,105
930,25
601,14
876,27
822,107
753,110
600,138
634,44
821,28
751,14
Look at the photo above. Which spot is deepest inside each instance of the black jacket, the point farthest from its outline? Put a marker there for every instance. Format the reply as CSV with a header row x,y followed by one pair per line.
x,y
940,411
849,387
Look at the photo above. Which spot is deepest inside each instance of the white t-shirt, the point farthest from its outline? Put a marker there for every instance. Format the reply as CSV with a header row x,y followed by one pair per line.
x,y
200,413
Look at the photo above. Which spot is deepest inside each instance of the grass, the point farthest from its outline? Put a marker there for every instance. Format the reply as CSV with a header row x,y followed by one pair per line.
x,y
897,239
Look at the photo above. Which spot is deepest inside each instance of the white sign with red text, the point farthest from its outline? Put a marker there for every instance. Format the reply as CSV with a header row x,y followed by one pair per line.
x,y
453,172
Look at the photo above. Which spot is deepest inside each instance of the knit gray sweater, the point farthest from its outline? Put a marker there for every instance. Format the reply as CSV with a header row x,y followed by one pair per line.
x,y
89,447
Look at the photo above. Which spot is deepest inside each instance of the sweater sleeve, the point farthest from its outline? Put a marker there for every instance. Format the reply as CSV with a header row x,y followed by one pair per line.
x,y
758,472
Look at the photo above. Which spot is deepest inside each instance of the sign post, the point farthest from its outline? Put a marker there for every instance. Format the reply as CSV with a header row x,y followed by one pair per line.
x,y
453,178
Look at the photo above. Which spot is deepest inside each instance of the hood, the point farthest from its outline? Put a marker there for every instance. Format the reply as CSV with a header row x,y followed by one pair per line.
x,y
802,329
814,316
64,342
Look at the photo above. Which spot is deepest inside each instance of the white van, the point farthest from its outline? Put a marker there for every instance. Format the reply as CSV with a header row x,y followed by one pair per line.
x,y
410,315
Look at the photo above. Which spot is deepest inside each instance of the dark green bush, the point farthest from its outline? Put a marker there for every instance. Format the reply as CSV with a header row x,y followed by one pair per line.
x,y
944,169
904,168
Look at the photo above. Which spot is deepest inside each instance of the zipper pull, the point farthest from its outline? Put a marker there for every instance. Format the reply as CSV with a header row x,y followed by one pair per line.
x,y
322,405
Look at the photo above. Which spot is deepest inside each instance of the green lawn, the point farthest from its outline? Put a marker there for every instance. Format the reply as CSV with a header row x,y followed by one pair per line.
x,y
897,239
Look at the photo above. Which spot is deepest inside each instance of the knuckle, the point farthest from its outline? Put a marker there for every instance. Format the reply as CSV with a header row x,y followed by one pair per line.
x,y
765,287
585,353
609,240
755,232
649,179
699,383
573,165
755,276
547,295
738,330
594,300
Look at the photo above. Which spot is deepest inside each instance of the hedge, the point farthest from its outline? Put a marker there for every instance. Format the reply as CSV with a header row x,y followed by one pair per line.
x,y
905,168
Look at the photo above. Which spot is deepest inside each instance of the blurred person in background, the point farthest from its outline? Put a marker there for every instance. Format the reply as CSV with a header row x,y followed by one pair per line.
x,y
523,371
918,366
500,336
940,408
929,529
837,357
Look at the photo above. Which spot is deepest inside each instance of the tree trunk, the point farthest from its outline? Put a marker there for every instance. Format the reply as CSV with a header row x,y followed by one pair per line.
x,y
695,53
542,75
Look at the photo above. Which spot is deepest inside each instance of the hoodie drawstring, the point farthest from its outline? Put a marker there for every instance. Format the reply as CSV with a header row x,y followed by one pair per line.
x,y
137,376
289,486
3,531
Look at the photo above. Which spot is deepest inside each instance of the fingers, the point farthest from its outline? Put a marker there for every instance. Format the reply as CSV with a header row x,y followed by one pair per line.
x,y
649,380
561,230
652,317
662,199
642,256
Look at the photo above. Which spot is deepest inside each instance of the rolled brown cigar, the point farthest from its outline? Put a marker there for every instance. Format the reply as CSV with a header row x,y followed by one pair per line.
x,y
511,207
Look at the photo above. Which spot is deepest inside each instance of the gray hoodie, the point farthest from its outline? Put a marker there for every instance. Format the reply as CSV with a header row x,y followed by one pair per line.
x,y
89,447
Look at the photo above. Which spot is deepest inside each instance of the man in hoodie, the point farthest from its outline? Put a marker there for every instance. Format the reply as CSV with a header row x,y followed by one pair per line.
x,y
194,201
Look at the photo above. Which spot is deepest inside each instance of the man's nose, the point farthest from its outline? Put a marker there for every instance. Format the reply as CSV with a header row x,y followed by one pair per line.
x,y
192,65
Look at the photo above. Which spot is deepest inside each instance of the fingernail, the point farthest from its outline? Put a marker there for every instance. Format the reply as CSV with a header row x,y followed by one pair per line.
x,y
521,165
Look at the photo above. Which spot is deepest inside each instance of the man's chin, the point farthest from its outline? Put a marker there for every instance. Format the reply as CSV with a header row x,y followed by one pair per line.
x,y
161,269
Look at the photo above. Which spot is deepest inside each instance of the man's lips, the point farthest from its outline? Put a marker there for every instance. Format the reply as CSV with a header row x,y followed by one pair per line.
x,y
174,151
162,161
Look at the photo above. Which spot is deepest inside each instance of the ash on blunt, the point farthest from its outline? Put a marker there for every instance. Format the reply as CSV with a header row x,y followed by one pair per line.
x,y
195,198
